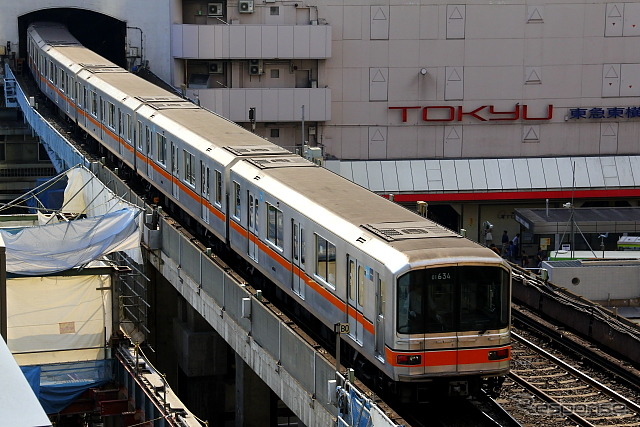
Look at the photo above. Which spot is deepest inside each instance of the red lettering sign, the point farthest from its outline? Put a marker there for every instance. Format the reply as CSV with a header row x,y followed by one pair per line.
x,y
448,113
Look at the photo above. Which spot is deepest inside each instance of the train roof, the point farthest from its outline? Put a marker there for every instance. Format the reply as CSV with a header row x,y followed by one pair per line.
x,y
213,128
418,238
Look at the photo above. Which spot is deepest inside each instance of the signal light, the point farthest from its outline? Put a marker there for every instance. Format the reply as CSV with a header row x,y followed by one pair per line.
x,y
499,354
408,359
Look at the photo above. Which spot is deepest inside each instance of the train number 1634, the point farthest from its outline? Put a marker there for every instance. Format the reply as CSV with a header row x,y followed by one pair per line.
x,y
441,276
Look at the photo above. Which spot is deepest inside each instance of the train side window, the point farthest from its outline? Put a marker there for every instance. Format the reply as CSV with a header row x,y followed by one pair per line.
x,y
351,289
218,183
325,260
236,200
138,136
303,251
296,242
63,80
204,180
161,148
147,136
94,104
128,127
275,226
111,115
361,277
382,296
189,167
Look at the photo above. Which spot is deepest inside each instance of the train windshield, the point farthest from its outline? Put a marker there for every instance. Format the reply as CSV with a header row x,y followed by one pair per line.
x,y
453,299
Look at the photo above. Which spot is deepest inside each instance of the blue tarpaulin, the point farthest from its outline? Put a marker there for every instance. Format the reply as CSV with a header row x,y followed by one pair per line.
x,y
58,385
353,409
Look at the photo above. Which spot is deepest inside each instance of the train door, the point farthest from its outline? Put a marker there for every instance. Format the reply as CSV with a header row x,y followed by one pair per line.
x,y
438,293
253,226
205,187
148,154
355,298
297,259
379,317
175,170
69,91
119,131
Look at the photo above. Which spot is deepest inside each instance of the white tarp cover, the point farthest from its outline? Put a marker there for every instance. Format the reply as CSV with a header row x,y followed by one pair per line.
x,y
18,404
58,318
85,193
57,247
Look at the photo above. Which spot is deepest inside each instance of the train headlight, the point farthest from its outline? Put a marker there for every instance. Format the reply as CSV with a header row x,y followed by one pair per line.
x,y
409,359
499,354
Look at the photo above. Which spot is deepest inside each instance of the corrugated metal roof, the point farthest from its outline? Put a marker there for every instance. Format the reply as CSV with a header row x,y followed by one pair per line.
x,y
487,175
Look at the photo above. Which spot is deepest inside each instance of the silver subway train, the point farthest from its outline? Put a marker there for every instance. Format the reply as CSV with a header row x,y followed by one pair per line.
x,y
425,306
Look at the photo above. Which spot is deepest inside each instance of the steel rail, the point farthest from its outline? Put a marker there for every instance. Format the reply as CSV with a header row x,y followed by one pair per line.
x,y
578,374
631,378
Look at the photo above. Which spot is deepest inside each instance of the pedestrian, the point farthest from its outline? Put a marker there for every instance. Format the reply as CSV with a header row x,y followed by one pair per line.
x,y
516,243
540,256
495,249
524,261
505,241
511,251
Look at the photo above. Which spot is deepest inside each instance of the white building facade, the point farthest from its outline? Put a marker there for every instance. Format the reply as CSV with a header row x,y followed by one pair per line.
x,y
411,97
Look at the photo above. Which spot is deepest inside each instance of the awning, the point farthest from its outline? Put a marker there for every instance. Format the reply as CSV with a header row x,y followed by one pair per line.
x,y
495,179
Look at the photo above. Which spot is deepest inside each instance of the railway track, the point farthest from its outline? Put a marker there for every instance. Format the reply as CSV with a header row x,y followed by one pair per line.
x,y
459,412
543,388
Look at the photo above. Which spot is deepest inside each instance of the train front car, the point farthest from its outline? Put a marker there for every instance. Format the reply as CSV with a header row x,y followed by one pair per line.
x,y
452,318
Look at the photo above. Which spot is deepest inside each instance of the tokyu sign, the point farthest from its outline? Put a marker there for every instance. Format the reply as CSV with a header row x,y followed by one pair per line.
x,y
484,113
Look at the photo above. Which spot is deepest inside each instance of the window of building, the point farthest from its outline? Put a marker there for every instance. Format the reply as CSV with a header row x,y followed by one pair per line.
x,y
275,226
236,200
274,10
161,148
275,73
325,260
189,163
275,133
218,183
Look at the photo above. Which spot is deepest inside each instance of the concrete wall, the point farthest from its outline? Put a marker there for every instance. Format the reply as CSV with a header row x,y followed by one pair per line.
x,y
598,283
152,16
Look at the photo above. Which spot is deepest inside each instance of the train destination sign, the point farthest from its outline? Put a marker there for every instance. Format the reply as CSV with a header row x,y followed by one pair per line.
x,y
483,113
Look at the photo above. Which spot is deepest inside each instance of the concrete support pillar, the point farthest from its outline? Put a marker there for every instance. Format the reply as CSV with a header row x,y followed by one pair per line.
x,y
254,403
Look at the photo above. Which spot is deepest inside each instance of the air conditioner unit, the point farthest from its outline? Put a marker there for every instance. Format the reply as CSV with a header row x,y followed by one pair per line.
x,y
245,6
216,67
215,9
255,67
